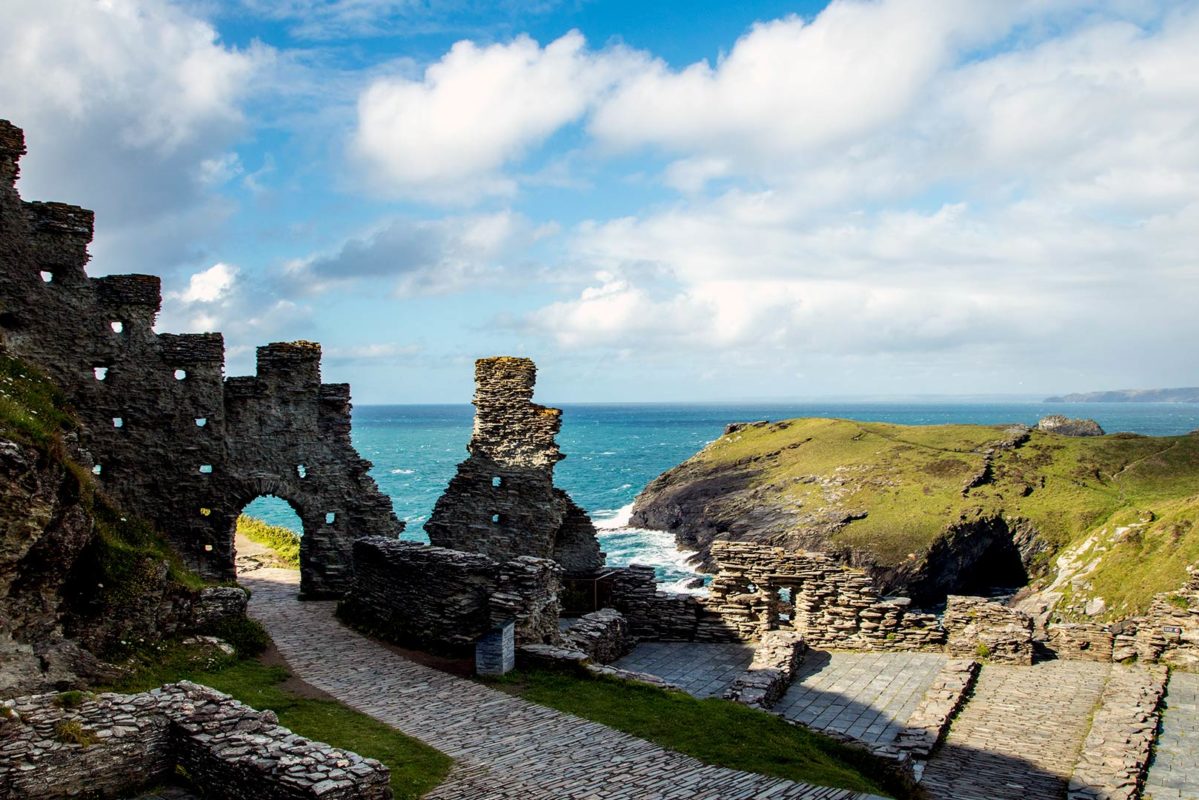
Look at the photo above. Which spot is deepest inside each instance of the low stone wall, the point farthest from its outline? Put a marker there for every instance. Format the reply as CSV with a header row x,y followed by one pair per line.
x,y
979,628
571,659
775,662
441,599
1170,631
603,635
1086,641
941,702
108,745
1115,754
665,616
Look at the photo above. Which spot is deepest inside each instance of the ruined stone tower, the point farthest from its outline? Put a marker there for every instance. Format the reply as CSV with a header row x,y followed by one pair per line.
x,y
172,440
503,502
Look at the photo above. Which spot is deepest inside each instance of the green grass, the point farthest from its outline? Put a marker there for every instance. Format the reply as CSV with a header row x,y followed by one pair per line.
x,y
908,481
31,406
415,767
284,542
717,732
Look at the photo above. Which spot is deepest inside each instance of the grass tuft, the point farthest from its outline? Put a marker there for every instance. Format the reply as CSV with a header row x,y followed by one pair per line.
x,y
71,731
283,541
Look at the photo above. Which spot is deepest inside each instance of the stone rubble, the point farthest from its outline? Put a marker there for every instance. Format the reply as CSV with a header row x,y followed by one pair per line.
x,y
986,630
1115,755
109,745
776,660
603,635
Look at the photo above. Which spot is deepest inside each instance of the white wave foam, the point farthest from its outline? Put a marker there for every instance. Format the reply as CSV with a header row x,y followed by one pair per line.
x,y
619,519
402,471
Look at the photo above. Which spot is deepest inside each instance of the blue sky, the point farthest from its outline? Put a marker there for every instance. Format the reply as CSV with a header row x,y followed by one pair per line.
x,y
656,201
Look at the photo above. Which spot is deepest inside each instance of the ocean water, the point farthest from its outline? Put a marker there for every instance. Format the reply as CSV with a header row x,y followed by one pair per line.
x,y
614,450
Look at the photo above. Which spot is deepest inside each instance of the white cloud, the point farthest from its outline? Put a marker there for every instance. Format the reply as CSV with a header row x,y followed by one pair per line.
x,y
211,285
137,95
448,135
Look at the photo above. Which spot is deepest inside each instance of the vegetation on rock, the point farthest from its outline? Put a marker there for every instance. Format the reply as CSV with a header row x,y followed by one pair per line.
x,y
911,500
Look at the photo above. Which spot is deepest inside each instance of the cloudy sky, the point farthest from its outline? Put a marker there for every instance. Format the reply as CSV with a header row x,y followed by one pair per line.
x,y
698,200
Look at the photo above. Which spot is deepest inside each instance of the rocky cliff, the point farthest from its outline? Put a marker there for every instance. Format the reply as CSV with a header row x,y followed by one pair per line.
x,y
933,510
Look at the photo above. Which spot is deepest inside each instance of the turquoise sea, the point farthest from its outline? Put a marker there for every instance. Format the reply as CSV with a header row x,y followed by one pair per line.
x,y
614,450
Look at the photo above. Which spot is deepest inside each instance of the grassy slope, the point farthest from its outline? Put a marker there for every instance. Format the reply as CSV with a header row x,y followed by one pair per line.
x,y
717,732
284,542
909,480
415,767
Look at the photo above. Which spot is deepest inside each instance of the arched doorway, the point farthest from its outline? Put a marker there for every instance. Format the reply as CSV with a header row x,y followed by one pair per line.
x,y
267,534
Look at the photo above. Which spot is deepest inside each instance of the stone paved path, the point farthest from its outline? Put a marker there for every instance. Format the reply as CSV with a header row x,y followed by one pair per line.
x,y
504,747
1174,773
703,670
867,696
1020,735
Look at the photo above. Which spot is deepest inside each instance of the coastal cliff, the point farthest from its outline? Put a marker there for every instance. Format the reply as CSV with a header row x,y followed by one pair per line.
x,y
935,510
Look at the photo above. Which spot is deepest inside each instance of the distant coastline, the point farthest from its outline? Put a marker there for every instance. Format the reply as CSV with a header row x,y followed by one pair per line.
x,y
1186,395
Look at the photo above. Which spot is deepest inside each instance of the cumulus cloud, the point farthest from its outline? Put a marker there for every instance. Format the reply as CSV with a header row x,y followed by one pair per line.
x,y
1024,205
447,135
418,257
136,95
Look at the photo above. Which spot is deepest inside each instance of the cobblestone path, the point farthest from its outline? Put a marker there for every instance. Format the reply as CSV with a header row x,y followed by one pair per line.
x,y
1174,773
1020,735
703,670
868,696
505,747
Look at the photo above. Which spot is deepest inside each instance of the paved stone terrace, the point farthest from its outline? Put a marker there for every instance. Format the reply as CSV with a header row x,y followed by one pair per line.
x,y
1020,735
505,747
867,696
1174,773
703,670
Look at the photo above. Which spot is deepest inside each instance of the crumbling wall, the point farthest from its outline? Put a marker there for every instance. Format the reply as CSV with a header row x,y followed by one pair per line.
x,y
979,628
502,501
442,599
172,440
110,745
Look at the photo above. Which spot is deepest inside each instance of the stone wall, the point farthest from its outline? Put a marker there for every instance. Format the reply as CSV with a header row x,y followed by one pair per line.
x,y
760,588
775,662
110,745
171,439
502,502
1170,631
979,628
604,636
442,599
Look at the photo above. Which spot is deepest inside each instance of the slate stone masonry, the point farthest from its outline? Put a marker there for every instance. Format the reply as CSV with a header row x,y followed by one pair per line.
x,y
174,441
502,502
108,745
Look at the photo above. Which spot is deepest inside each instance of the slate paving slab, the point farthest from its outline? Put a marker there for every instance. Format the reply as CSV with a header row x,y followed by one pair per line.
x,y
1174,771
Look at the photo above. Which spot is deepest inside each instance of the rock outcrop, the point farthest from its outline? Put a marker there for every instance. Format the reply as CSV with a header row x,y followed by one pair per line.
x,y
171,440
1065,426
503,502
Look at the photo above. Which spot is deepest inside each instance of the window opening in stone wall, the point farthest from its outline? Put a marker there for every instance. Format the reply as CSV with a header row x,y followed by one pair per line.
x,y
117,326
207,548
47,276
302,470
206,469
117,422
497,481
329,518
201,422
96,470
498,519
180,374
204,512
100,372
786,595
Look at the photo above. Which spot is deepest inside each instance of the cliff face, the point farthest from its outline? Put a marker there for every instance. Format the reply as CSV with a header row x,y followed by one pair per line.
x,y
933,510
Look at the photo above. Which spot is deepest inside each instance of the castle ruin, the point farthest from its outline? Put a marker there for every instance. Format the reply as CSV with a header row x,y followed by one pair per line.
x,y
503,502
171,439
